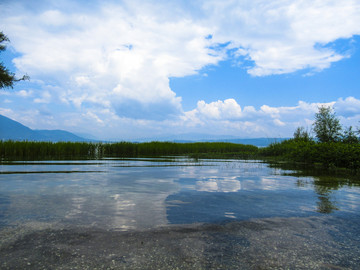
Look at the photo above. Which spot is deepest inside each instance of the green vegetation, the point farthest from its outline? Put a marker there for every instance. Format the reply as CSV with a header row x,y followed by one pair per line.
x,y
331,149
26,150
327,126
30,150
169,148
7,78
326,154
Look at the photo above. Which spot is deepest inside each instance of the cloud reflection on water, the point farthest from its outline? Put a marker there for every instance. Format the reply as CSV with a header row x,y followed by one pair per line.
x,y
218,185
140,197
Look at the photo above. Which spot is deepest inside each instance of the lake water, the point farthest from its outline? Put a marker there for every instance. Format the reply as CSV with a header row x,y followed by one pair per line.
x,y
142,194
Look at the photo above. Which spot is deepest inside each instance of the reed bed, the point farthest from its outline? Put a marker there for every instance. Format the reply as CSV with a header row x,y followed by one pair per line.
x,y
30,150
329,155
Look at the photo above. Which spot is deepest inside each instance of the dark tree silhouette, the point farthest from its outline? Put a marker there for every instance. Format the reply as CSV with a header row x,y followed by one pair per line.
x,y
7,78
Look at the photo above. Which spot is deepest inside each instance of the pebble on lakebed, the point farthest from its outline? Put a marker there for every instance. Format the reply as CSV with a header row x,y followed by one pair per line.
x,y
273,243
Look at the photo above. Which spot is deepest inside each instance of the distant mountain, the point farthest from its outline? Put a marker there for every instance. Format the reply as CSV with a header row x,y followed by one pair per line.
x,y
60,135
195,137
259,142
12,130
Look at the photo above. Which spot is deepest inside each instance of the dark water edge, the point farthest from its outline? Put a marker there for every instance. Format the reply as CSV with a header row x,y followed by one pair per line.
x,y
321,242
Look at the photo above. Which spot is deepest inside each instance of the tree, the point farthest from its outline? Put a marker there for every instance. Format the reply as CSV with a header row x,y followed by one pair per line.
x,y
301,134
349,136
7,78
327,126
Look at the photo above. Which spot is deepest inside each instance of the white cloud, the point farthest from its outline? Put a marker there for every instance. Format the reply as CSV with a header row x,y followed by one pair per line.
x,y
6,112
279,123
285,36
25,93
112,57
266,121
347,107
274,112
52,18
226,109
109,63
45,98
118,55
106,124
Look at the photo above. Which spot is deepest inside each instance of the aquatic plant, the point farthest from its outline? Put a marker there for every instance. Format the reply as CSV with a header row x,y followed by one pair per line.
x,y
84,150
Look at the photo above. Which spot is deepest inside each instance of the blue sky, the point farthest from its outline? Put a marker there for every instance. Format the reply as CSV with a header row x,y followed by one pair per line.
x,y
137,69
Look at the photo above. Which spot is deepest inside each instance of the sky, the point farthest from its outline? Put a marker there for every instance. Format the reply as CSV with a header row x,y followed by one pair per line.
x,y
124,70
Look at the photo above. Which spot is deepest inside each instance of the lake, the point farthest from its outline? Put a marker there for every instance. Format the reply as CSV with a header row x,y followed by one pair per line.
x,y
227,213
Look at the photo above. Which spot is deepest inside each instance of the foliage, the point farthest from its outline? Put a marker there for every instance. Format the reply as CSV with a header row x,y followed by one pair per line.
x,y
332,149
28,150
329,154
327,126
349,136
301,134
126,149
7,78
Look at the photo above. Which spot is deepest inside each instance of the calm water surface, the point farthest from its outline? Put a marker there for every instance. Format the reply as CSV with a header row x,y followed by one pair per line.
x,y
125,194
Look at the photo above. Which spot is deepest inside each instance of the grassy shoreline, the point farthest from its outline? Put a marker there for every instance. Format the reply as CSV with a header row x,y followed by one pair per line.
x,y
28,150
330,155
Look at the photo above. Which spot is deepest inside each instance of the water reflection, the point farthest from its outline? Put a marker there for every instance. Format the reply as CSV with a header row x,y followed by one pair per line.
x,y
218,185
323,184
145,193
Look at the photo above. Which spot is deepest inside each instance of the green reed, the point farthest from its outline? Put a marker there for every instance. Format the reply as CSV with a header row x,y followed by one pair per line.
x,y
28,150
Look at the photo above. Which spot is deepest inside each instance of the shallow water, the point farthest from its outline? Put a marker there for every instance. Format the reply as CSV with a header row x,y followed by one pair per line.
x,y
175,213
124,194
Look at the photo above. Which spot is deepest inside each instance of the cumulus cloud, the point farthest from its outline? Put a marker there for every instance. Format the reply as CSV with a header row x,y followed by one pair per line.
x,y
285,36
111,61
347,107
117,57
24,93
217,118
227,117
45,98
126,52
226,109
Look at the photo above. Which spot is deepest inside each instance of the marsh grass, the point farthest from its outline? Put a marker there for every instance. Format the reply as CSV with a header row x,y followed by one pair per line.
x,y
30,150
330,155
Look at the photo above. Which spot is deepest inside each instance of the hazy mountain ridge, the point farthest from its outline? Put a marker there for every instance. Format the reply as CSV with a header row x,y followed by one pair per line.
x,y
196,137
13,130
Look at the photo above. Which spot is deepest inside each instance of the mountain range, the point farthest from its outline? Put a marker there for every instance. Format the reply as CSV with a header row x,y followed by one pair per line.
x,y
12,130
195,137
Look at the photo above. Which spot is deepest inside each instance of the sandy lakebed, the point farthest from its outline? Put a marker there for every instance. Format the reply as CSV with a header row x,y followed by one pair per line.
x,y
274,243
